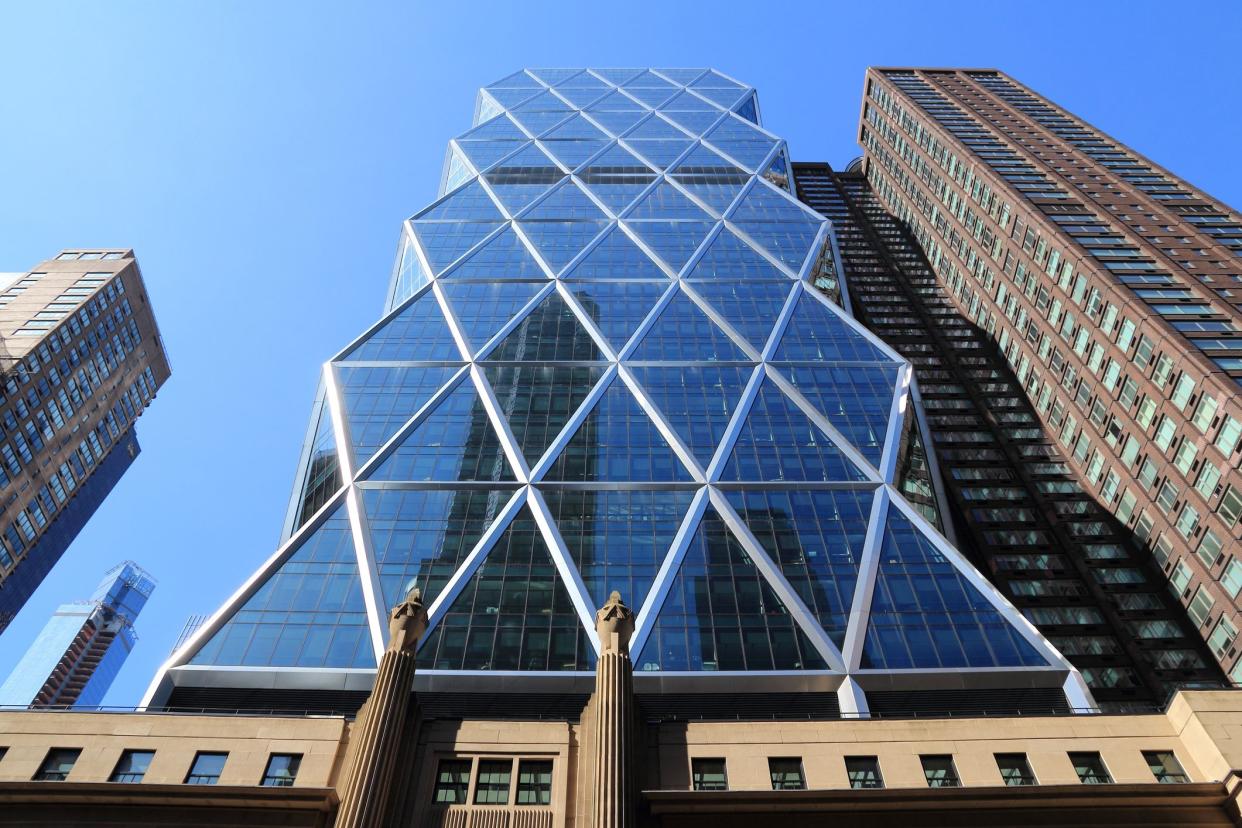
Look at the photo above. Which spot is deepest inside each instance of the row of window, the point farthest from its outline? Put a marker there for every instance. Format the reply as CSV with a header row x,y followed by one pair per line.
x,y
281,770
494,782
938,770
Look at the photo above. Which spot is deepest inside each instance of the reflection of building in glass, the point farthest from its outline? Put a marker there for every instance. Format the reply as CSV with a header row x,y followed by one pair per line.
x,y
80,650
81,358
608,363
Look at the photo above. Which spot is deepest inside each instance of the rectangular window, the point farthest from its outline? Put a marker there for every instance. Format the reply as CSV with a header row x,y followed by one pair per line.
x,y
1200,606
1165,767
132,766
863,772
709,775
1090,769
1015,769
786,774
534,782
206,768
940,772
492,785
282,770
453,781
57,764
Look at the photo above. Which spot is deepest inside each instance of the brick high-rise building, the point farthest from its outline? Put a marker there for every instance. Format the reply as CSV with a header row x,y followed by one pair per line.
x,y
1111,286
80,359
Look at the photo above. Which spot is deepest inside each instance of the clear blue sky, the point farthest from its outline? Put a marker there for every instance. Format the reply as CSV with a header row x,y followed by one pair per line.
x,y
259,157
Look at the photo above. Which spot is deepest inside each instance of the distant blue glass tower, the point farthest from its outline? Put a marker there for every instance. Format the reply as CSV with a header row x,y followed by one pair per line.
x,y
604,366
80,650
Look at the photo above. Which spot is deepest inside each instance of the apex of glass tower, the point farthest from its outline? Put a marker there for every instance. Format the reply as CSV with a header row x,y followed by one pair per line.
x,y
604,366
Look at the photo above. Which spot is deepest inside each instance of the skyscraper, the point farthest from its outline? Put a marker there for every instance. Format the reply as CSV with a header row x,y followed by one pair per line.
x,y
80,650
604,366
1111,286
80,359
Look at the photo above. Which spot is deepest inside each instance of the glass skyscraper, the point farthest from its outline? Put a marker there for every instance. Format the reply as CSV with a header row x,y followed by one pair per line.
x,y
607,363
78,653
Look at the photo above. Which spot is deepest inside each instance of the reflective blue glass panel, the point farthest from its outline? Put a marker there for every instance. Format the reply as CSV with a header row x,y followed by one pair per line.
x,y
856,399
728,257
504,257
380,400
696,400
549,333
538,400
615,257
416,332
750,307
683,333
618,307
816,333
483,308
672,241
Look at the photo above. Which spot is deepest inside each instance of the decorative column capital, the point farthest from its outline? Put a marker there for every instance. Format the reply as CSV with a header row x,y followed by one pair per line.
x,y
614,623
407,622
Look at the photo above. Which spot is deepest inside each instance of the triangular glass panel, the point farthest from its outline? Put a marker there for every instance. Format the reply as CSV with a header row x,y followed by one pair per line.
x,y
504,257
487,108
666,202
856,399
559,241
583,80
509,98
538,121
651,95
380,400
577,128
549,333
566,202
483,154
455,441
618,308
616,177
728,257
816,538
573,153
656,129
712,179
725,97
500,128
816,334
617,538
617,76
750,307
518,80
715,80
552,77
445,241
721,614
420,537
750,154
543,102
523,177
673,241
749,109
515,613
582,97
647,78
735,130
459,170
683,333
617,121
538,400
470,203
777,172
696,400
483,308
321,477
790,242
779,442
308,613
680,74
412,274
696,122
659,153
617,442
689,102
417,332
616,257
616,101
926,615
763,204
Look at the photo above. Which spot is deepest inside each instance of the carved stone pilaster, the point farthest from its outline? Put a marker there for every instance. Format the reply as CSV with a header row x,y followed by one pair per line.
x,y
377,733
615,785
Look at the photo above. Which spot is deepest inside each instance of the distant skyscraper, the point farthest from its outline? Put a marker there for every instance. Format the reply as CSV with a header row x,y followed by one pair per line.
x,y
80,359
1114,290
79,652
607,363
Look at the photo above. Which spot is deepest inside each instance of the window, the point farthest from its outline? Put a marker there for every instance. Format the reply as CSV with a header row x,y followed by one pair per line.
x,y
492,786
534,782
709,775
206,768
1014,769
57,764
1165,767
452,781
786,774
132,766
1090,769
282,769
863,772
939,772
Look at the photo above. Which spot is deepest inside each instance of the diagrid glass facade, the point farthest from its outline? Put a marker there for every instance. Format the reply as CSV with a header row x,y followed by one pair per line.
x,y
603,366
